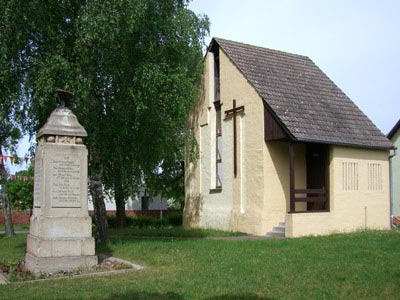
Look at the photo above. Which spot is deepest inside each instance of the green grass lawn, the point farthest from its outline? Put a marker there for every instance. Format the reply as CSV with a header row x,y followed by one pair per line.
x,y
16,228
364,265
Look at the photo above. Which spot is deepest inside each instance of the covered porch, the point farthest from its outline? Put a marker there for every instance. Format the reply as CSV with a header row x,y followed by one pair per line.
x,y
314,195
308,168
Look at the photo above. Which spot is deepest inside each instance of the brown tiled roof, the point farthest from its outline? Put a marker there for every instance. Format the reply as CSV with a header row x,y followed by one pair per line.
x,y
303,98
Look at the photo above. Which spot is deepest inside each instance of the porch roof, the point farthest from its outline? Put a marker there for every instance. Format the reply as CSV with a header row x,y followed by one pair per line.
x,y
302,98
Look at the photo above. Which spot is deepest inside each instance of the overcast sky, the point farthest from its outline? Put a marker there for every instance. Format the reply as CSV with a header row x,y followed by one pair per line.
x,y
355,42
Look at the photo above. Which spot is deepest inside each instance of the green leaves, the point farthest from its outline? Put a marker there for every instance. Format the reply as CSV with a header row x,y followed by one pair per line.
x,y
20,190
133,66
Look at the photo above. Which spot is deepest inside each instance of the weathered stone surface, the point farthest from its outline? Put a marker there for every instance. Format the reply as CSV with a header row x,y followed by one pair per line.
x,y
62,122
51,247
60,226
55,264
54,227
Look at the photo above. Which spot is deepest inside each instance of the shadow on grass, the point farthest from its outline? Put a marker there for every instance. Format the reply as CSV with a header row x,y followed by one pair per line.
x,y
170,232
103,249
3,235
174,296
147,296
239,297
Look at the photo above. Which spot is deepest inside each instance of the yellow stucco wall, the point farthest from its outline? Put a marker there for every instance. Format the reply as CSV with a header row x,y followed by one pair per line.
x,y
251,124
359,198
239,206
266,181
277,183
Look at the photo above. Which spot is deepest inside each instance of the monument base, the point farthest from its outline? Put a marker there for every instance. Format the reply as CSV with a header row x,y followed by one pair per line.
x,y
60,234
55,254
55,264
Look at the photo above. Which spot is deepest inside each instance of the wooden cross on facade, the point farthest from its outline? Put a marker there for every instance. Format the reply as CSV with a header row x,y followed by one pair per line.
x,y
228,113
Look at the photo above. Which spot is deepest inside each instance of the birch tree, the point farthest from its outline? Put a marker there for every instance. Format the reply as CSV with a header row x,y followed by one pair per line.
x,y
134,68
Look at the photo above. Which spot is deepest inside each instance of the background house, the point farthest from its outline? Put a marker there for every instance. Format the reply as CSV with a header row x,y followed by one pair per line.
x,y
140,202
394,136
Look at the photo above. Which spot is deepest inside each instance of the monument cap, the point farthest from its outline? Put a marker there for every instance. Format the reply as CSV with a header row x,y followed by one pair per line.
x,y
62,120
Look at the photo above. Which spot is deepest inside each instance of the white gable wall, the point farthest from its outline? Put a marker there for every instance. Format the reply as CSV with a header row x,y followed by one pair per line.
x,y
206,206
244,203
216,204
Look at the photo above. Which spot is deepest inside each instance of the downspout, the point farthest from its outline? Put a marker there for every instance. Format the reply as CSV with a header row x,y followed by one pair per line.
x,y
391,181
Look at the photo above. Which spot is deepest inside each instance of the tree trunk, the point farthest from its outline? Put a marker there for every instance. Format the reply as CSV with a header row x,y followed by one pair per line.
x,y
120,206
7,213
100,214
6,201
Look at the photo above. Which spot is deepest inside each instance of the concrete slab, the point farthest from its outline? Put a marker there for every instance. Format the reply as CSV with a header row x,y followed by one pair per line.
x,y
3,280
134,267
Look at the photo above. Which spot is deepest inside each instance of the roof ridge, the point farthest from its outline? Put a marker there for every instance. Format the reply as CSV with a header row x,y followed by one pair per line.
x,y
217,39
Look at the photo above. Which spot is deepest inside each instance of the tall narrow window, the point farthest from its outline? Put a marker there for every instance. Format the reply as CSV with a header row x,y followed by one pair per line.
x,y
218,144
216,78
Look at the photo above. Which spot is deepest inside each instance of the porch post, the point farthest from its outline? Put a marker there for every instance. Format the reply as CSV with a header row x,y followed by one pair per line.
x,y
292,179
327,180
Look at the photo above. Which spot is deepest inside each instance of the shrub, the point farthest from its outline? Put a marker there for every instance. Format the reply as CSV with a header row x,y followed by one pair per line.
x,y
130,221
144,221
111,221
175,219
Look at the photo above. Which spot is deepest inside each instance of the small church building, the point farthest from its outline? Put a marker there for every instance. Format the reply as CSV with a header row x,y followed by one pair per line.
x,y
281,149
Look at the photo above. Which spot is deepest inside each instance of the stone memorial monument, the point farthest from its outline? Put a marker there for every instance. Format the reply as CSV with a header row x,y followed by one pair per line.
x,y
60,235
